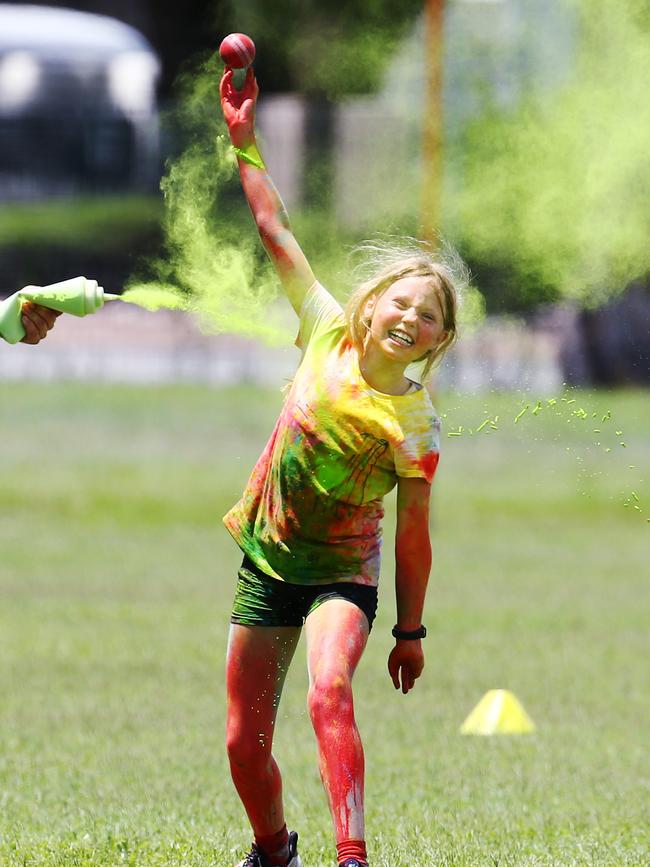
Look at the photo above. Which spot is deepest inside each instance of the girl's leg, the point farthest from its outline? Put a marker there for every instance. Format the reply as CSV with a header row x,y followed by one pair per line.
x,y
257,663
337,632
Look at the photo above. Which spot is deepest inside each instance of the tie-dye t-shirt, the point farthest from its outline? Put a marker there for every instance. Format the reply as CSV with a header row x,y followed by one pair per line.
x,y
312,507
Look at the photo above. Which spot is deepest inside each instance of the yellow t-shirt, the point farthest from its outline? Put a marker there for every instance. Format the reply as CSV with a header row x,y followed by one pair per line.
x,y
312,507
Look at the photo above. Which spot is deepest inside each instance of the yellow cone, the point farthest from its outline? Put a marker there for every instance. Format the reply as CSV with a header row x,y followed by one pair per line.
x,y
499,712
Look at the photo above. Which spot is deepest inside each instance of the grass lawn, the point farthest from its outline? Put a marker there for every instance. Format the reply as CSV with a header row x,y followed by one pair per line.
x,y
116,580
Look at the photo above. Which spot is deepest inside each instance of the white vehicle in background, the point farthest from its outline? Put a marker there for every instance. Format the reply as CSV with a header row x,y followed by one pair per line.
x,y
78,108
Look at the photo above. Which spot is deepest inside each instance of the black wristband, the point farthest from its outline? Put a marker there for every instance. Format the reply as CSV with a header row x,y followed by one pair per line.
x,y
420,632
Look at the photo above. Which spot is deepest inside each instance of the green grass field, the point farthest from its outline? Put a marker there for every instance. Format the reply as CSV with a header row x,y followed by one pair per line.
x,y
116,583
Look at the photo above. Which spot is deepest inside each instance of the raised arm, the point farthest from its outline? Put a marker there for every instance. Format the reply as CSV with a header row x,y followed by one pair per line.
x,y
412,567
263,198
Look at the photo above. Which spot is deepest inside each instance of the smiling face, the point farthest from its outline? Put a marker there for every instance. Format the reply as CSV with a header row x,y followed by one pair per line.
x,y
406,321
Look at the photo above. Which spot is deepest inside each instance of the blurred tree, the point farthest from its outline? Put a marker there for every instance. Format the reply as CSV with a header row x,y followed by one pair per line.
x,y
326,49
555,188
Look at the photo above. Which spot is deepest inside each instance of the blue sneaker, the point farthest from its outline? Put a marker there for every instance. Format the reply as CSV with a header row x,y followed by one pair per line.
x,y
256,859
352,862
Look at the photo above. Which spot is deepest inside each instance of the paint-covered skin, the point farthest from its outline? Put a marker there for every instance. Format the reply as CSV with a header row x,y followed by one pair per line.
x,y
257,662
337,633
256,667
268,211
312,508
238,107
413,564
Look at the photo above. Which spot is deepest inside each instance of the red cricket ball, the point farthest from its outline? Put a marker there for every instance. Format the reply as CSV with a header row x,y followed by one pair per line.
x,y
237,51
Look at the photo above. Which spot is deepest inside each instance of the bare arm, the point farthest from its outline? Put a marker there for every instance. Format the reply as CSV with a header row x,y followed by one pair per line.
x,y
412,567
263,198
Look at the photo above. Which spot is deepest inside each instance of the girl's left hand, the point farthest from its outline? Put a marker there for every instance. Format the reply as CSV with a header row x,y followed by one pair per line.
x,y
37,321
406,659
238,107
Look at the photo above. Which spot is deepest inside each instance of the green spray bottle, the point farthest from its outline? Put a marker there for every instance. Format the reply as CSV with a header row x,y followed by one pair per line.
x,y
78,296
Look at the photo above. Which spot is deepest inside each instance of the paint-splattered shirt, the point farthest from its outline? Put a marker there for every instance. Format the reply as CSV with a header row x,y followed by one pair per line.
x,y
312,508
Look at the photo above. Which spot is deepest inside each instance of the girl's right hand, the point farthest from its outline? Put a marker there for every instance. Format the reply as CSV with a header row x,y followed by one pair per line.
x,y
238,107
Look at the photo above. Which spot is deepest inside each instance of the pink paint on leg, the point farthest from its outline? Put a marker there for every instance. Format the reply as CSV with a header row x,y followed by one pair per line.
x,y
337,633
258,658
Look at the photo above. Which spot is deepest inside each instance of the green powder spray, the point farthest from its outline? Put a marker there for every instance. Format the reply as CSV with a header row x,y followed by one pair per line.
x,y
209,266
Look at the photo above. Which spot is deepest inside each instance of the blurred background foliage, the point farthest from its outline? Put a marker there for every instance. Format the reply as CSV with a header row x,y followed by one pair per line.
x,y
547,192
326,49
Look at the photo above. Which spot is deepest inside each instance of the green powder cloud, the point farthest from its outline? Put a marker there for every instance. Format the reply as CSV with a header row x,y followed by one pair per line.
x,y
209,267
560,185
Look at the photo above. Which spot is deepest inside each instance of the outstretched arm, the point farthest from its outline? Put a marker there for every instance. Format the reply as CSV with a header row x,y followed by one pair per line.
x,y
413,564
263,198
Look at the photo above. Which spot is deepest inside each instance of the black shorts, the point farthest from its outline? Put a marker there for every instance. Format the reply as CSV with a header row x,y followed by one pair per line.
x,y
261,600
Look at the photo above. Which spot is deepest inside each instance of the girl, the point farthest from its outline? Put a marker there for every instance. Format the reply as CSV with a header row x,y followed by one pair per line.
x,y
352,426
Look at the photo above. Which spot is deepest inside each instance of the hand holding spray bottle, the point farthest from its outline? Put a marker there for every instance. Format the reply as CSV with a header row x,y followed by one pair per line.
x,y
78,296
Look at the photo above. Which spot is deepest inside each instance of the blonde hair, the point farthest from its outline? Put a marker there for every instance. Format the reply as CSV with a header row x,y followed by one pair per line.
x,y
384,261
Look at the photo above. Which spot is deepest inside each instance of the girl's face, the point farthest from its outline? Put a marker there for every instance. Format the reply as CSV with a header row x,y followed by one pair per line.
x,y
406,321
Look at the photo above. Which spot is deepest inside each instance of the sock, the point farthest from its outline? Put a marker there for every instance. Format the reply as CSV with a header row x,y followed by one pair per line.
x,y
352,849
275,847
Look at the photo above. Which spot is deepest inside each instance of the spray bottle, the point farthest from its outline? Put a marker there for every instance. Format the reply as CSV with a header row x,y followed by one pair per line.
x,y
78,296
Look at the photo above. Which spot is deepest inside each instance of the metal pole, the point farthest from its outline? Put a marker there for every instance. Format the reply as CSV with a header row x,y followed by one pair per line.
x,y
432,127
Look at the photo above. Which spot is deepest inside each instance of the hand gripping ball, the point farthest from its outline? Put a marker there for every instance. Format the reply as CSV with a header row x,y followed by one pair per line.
x,y
237,51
